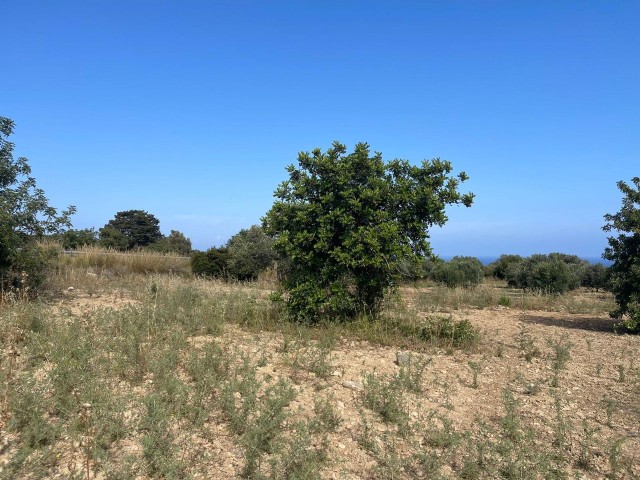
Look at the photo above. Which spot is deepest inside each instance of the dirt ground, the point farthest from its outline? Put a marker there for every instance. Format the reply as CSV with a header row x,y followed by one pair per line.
x,y
599,386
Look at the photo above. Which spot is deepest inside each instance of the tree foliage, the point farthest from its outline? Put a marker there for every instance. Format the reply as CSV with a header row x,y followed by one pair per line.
x,y
212,263
176,242
346,221
73,239
624,252
250,252
554,273
130,229
25,215
458,272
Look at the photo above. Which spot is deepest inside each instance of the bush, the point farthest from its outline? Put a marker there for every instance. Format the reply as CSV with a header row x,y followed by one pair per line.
x,y
545,273
459,272
212,263
250,252
74,239
346,221
596,276
176,243
500,267
624,252
25,217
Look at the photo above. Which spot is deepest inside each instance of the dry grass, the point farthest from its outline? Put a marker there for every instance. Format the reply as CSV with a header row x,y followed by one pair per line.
x,y
165,376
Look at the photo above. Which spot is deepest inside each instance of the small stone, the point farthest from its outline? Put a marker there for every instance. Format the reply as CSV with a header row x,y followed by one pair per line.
x,y
340,405
352,385
403,358
341,446
70,289
337,373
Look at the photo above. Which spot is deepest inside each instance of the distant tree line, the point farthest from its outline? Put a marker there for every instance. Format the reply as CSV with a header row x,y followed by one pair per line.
x,y
344,230
553,273
128,230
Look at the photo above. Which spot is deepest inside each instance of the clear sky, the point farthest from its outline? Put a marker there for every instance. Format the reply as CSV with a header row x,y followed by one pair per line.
x,y
191,110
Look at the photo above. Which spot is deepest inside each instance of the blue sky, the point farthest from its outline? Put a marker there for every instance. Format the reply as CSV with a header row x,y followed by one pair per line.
x,y
191,110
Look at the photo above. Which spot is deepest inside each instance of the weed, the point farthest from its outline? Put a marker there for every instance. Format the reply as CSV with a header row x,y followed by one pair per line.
x,y
621,373
266,424
476,368
385,399
327,419
586,443
411,374
526,344
158,446
298,458
609,409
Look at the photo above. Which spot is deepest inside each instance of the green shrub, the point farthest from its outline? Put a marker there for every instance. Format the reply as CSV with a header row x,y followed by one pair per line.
x,y
554,273
74,239
212,263
624,252
346,220
459,272
500,267
175,243
596,276
25,217
250,252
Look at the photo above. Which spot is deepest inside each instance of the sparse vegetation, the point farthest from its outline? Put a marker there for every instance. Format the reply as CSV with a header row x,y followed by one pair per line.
x,y
177,377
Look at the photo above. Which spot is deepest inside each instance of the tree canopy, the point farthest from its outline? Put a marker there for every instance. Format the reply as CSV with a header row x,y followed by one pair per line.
x,y
130,229
346,221
624,252
25,213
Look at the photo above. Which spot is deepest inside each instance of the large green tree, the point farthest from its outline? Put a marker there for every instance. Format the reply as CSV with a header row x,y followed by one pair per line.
x,y
624,252
130,229
347,221
25,214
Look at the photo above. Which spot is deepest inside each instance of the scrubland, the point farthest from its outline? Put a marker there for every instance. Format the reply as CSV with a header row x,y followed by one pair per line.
x,y
146,372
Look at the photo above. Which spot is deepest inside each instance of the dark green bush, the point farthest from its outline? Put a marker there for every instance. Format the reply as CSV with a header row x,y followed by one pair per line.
x,y
74,239
250,252
500,267
553,273
624,252
459,272
25,217
175,243
212,263
596,276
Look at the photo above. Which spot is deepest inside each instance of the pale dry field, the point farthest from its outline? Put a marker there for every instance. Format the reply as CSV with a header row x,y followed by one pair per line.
x,y
217,386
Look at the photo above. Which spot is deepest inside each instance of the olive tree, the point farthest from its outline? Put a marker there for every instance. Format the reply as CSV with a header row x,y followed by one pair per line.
x,y
624,252
347,220
25,216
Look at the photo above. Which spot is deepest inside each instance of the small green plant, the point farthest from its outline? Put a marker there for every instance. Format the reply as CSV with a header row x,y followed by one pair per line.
x,y
526,343
621,373
504,301
586,443
561,355
476,368
328,420
609,409
385,398
266,424
411,374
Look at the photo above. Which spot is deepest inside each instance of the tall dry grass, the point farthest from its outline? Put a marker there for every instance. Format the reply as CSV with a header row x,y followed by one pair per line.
x,y
139,261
